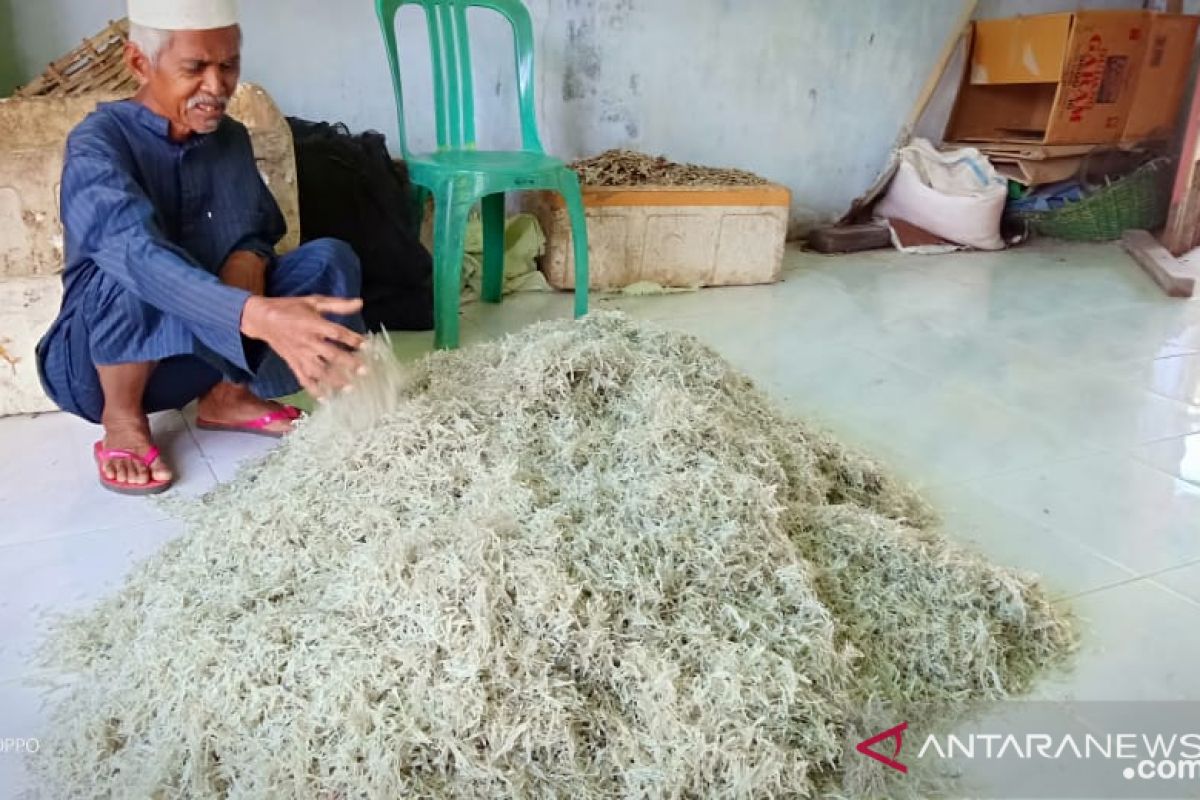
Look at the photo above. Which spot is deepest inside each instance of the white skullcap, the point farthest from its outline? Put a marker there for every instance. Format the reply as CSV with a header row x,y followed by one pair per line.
x,y
183,15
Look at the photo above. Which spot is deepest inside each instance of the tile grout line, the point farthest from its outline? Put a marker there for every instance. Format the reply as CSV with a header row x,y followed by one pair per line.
x,y
1099,447
59,537
1149,577
1139,579
1006,332
1149,442
205,457
1062,536
1195,562
1104,588
1177,594
1009,471
1083,545
1099,370
1135,453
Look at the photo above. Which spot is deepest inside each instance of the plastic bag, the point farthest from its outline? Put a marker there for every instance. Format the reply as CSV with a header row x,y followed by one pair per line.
x,y
955,194
524,241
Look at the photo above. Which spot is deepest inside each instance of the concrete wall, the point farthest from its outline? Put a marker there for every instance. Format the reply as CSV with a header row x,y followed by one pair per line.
x,y
9,72
810,93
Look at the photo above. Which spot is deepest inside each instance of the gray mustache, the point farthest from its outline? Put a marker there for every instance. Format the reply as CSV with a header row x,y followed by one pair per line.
x,y
208,99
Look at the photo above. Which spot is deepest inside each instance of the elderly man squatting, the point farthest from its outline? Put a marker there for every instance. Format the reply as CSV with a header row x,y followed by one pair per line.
x,y
172,289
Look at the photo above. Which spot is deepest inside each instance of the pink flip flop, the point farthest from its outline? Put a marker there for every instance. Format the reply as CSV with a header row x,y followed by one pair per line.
x,y
255,426
121,487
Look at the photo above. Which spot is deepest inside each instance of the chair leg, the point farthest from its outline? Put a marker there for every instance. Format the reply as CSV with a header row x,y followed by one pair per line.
x,y
579,240
449,234
493,248
420,197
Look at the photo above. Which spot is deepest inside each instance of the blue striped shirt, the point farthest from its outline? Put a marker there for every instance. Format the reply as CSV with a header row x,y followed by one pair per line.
x,y
161,217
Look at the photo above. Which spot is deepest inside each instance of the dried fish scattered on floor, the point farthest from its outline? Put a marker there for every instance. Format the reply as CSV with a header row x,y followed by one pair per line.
x,y
590,560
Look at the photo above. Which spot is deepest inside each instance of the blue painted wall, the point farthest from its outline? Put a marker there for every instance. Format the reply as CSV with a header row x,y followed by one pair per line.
x,y
810,93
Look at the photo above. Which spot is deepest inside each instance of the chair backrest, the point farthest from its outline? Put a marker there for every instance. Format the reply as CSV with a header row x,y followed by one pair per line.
x,y
449,47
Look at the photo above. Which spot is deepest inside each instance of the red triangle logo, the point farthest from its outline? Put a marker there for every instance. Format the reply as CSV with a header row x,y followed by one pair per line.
x,y
896,733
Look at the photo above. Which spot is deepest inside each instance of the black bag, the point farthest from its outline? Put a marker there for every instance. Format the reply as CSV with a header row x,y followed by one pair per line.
x,y
350,189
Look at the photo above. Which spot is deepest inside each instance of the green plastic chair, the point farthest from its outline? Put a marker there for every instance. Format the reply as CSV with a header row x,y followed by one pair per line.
x,y
458,175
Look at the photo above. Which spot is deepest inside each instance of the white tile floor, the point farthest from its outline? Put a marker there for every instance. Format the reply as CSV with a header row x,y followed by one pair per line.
x,y
1047,398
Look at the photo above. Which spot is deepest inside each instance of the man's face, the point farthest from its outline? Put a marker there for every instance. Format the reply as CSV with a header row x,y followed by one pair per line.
x,y
191,82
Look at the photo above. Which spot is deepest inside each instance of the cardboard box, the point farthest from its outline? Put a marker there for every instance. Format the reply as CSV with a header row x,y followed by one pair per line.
x,y
1073,78
1162,78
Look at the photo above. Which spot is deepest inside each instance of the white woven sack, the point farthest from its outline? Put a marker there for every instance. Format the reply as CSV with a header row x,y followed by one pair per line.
x,y
955,194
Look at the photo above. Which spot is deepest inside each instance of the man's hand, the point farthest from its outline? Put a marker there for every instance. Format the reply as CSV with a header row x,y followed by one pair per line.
x,y
319,352
245,270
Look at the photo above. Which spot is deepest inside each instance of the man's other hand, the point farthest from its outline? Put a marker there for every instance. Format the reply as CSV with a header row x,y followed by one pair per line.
x,y
322,354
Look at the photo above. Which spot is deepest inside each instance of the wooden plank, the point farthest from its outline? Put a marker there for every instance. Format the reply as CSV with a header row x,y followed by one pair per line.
x,y
962,28
850,238
962,32
1180,233
1176,279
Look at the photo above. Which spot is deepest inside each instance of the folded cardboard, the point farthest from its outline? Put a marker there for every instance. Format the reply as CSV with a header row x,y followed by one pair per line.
x,y
1090,77
1035,164
1031,172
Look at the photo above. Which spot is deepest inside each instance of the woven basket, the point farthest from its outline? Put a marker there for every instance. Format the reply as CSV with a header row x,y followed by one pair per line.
x,y
96,65
1138,200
